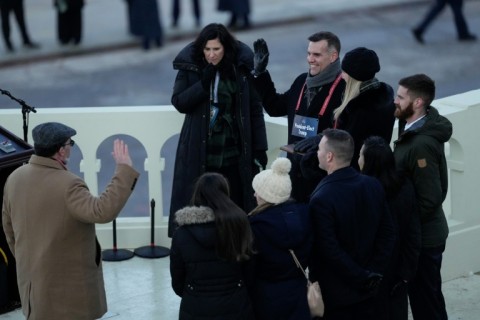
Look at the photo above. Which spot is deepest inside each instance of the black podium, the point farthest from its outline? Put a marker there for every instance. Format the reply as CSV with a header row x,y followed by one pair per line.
x,y
14,152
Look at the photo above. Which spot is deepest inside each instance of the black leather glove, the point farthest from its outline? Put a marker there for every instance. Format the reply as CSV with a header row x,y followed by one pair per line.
x,y
260,158
373,282
399,286
308,144
309,167
260,56
208,75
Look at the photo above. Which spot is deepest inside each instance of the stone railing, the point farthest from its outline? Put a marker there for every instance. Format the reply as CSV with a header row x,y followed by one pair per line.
x,y
152,135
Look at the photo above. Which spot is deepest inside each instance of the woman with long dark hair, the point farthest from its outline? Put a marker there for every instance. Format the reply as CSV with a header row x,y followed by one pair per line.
x,y
224,129
210,254
376,159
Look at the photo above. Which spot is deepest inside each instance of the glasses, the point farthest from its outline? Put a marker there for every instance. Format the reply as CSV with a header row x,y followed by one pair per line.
x,y
71,143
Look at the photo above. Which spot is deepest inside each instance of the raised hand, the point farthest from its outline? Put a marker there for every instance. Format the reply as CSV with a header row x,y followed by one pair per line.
x,y
260,56
120,153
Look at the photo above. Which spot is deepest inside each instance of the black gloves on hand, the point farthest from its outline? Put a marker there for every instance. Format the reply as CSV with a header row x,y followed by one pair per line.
x,y
309,167
208,75
260,57
398,287
260,158
373,282
308,144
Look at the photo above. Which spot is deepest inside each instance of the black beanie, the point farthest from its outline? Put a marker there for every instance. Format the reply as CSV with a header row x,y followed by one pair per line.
x,y
361,64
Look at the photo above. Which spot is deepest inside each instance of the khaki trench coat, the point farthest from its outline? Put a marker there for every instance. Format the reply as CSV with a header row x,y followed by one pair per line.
x,y
49,218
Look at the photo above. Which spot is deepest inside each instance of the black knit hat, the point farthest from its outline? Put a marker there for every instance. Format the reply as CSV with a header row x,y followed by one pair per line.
x,y
361,64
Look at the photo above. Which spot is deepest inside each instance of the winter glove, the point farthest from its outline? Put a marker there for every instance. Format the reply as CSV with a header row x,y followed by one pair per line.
x,y
309,167
208,75
260,159
399,286
260,57
373,282
308,144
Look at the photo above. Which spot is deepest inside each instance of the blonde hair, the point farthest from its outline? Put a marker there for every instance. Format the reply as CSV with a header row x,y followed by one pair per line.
x,y
260,208
352,90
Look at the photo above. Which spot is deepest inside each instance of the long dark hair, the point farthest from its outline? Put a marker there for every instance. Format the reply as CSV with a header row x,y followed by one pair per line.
x,y
379,162
235,237
220,32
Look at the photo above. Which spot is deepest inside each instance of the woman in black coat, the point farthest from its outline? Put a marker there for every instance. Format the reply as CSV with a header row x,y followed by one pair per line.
x,y
367,108
224,128
376,159
210,253
279,225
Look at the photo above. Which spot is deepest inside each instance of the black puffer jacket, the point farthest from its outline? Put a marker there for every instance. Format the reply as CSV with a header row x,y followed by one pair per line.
x,y
369,114
210,288
191,99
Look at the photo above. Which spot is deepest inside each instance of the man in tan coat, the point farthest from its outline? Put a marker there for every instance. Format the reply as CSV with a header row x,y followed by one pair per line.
x,y
49,218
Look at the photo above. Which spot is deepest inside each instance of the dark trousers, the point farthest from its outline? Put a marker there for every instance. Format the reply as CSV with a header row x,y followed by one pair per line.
x,y
391,305
70,25
437,7
177,9
364,310
232,174
17,7
425,290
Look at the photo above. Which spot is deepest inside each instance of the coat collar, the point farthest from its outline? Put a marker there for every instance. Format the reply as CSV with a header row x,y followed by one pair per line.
x,y
340,174
194,215
46,162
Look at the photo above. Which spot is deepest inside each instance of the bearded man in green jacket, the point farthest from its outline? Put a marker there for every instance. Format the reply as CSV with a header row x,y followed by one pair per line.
x,y
419,152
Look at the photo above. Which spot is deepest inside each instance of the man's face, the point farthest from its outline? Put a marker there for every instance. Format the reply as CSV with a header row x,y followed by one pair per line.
x,y
322,154
65,151
403,104
318,56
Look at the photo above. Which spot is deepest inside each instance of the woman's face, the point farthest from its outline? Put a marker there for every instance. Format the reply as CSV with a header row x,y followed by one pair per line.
x,y
213,51
361,160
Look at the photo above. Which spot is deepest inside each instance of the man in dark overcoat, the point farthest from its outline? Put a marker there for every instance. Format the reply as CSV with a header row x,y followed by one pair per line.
x,y
353,232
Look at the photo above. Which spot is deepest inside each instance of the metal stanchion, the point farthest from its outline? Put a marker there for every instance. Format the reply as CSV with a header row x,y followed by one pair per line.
x,y
152,251
116,254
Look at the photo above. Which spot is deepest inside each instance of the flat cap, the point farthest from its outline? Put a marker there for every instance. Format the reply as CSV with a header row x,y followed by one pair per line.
x,y
50,134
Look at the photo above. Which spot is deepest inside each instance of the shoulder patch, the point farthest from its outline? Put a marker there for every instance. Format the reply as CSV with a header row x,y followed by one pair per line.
x,y
422,163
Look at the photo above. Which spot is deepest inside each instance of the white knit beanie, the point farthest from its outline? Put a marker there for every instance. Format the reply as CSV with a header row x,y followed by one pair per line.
x,y
274,185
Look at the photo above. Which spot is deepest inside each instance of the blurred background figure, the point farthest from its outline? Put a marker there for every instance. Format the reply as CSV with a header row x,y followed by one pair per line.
x,y
176,11
6,6
435,9
239,9
145,22
69,21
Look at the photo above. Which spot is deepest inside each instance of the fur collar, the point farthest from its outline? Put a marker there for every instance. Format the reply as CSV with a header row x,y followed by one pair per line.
x,y
194,215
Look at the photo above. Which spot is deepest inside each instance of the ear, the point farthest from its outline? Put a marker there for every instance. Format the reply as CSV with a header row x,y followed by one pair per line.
x,y
329,156
62,151
418,103
333,56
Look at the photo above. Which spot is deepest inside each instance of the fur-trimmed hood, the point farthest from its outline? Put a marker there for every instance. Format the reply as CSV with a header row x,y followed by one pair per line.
x,y
194,215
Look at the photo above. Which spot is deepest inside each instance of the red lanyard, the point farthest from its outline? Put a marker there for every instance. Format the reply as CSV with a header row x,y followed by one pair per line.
x,y
327,100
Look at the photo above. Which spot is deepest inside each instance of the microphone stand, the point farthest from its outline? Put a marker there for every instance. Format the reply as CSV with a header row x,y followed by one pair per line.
x,y
26,109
